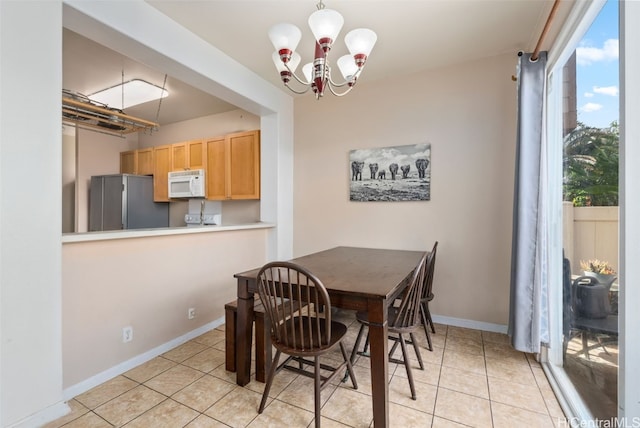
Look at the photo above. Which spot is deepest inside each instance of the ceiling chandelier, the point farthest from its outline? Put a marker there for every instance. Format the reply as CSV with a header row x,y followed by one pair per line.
x,y
325,25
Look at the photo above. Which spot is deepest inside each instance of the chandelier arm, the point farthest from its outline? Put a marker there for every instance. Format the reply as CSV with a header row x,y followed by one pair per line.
x,y
297,92
346,82
337,85
302,82
341,94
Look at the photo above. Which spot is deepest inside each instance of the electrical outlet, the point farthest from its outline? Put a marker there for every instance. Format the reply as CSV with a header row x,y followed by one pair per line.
x,y
191,313
127,334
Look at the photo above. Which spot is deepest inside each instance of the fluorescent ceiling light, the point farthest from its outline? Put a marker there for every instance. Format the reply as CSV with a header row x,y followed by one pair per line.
x,y
135,92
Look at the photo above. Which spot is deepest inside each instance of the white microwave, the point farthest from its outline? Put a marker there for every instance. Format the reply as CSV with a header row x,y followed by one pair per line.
x,y
187,184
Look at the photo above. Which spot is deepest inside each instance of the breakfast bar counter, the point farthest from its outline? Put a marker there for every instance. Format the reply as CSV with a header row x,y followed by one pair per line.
x,y
143,233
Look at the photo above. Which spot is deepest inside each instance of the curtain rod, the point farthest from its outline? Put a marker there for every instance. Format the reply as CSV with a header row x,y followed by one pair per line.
x,y
536,51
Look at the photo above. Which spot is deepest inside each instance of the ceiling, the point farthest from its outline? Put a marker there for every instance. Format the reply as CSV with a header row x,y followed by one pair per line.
x,y
89,67
413,35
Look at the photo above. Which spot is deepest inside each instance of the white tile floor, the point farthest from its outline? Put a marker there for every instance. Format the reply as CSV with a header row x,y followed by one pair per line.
x,y
471,379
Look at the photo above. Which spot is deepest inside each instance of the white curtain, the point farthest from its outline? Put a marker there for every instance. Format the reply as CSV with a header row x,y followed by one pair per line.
x,y
528,312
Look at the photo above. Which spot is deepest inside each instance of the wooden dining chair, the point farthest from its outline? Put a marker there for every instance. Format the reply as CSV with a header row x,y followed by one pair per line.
x,y
305,336
427,295
403,320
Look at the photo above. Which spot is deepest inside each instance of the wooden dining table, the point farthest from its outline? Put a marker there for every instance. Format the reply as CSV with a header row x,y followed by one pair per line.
x,y
361,279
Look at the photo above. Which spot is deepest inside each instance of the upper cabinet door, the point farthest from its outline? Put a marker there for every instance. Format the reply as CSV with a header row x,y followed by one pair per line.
x,y
161,168
188,155
145,161
244,165
179,157
196,155
216,173
128,162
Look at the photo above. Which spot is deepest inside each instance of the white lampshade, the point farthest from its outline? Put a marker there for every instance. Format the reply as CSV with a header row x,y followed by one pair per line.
x,y
293,62
347,66
360,41
326,23
285,36
307,71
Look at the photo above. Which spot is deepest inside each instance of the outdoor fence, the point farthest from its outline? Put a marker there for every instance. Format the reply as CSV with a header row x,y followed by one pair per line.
x,y
590,233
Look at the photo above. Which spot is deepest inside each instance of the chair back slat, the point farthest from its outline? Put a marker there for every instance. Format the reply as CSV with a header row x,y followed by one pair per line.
x,y
408,313
430,268
284,289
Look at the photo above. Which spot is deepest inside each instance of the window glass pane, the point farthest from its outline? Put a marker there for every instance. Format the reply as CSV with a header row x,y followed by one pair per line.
x,y
590,209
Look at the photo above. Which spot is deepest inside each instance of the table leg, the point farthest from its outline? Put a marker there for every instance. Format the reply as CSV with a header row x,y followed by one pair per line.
x,y
244,333
378,334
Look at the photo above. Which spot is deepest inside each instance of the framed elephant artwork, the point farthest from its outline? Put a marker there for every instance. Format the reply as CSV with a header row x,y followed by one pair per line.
x,y
397,173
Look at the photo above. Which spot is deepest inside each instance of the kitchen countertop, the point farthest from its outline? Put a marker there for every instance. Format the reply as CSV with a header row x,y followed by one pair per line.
x,y
143,233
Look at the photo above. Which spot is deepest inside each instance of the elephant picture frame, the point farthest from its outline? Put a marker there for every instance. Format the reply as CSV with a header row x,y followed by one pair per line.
x,y
396,173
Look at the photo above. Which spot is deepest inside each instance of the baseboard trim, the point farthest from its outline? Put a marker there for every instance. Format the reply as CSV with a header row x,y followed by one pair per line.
x,y
476,325
125,366
44,416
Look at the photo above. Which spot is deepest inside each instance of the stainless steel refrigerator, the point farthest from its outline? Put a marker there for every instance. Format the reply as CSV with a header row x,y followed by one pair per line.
x,y
125,201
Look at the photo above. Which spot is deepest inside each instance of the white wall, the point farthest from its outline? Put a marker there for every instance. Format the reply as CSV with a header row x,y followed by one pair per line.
x,y
151,296
201,127
148,284
30,210
467,112
30,140
160,41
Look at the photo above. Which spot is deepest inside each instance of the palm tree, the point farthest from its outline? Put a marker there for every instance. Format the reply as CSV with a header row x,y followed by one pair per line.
x,y
591,165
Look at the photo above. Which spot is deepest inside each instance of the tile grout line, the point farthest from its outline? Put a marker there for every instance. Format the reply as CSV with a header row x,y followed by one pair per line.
x,y
487,381
435,400
447,339
167,397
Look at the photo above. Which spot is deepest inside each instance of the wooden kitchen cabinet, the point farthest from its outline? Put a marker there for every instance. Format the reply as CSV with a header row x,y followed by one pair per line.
x,y
188,155
137,162
196,154
128,162
161,168
244,165
233,166
231,163
145,161
179,157
216,174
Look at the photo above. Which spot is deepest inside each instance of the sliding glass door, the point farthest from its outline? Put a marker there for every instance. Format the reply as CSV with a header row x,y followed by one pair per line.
x,y
584,159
